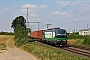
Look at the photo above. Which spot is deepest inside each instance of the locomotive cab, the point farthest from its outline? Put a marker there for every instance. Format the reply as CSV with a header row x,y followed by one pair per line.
x,y
57,36
61,36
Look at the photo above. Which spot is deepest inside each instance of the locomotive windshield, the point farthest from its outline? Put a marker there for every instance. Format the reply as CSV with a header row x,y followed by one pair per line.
x,y
60,31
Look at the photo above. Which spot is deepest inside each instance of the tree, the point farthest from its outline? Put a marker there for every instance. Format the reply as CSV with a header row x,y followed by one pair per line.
x,y
19,27
19,21
20,38
19,32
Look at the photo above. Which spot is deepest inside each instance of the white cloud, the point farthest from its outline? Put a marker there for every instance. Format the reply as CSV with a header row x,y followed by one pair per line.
x,y
65,3
29,6
34,18
60,13
43,6
25,10
33,15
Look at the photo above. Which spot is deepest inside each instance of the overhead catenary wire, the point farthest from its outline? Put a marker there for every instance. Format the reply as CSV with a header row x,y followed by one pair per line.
x,y
76,16
76,21
72,1
63,9
79,21
74,12
68,5
68,24
82,7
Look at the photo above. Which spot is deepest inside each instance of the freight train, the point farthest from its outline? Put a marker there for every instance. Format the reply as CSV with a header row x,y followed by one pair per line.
x,y
53,36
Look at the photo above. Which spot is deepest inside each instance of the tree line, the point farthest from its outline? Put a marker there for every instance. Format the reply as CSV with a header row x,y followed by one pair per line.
x,y
6,33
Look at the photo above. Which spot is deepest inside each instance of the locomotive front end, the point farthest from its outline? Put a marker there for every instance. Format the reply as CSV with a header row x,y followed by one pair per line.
x,y
61,37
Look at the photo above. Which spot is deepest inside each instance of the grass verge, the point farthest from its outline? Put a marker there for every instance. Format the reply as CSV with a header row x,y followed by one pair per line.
x,y
3,46
5,41
78,42
46,53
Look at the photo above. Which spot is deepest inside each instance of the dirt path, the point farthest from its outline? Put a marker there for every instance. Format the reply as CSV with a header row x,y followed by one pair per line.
x,y
13,53
16,54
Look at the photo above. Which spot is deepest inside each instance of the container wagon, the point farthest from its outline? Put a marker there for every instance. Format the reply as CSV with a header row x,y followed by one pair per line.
x,y
37,34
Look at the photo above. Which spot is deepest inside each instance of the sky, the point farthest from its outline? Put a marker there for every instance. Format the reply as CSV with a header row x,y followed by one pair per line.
x,y
66,14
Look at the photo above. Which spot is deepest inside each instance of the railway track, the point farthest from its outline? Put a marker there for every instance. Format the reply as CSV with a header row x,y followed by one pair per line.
x,y
80,47
78,51
72,50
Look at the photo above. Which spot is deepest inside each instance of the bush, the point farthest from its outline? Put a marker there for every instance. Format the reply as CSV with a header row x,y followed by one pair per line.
x,y
76,37
3,46
21,41
20,37
86,41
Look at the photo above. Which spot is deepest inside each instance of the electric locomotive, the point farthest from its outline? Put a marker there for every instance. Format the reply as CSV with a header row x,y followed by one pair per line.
x,y
55,36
